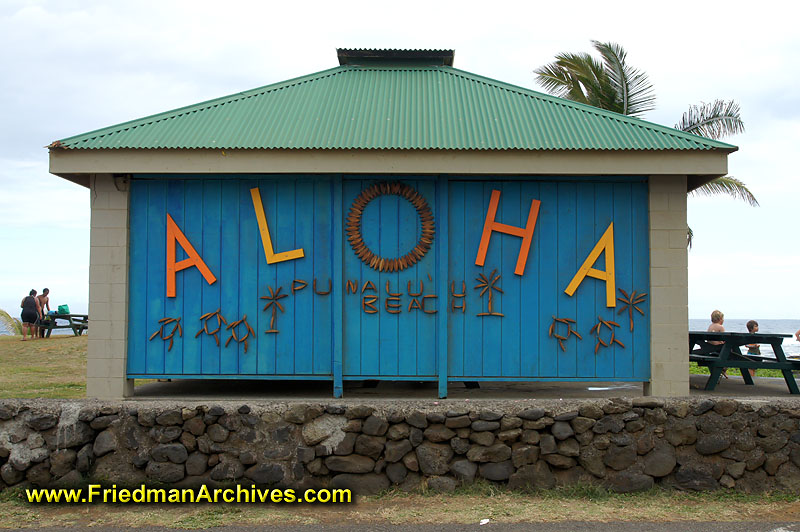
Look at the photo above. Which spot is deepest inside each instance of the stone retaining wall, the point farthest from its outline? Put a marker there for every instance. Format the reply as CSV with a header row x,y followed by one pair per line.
x,y
624,444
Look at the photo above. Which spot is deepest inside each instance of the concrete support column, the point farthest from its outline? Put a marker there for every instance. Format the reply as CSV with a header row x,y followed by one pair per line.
x,y
669,288
108,290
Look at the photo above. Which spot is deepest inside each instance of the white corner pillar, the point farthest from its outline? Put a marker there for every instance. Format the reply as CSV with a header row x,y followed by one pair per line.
x,y
669,288
106,362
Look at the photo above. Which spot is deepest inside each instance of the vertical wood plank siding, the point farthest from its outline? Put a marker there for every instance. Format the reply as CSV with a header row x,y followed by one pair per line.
x,y
572,218
383,344
218,218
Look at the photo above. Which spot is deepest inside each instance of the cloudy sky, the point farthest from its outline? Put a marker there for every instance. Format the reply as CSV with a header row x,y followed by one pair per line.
x,y
69,67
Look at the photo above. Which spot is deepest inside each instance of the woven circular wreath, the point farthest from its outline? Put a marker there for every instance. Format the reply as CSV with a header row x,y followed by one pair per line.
x,y
383,264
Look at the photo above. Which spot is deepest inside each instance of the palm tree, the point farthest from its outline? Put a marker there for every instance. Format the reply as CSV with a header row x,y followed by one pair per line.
x,y
612,84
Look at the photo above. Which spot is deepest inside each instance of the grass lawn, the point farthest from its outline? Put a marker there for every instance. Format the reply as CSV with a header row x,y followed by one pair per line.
x,y
694,369
53,367
467,505
50,367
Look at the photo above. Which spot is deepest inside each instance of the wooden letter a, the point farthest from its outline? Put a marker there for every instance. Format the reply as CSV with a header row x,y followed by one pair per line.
x,y
606,243
526,234
174,234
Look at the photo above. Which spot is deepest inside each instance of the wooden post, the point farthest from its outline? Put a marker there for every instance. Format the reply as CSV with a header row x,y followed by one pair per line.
x,y
338,275
442,263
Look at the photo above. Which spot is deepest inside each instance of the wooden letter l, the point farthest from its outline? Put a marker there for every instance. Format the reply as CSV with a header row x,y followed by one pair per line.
x,y
272,257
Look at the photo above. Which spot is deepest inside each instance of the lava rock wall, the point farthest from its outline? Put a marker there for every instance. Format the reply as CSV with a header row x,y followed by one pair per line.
x,y
623,444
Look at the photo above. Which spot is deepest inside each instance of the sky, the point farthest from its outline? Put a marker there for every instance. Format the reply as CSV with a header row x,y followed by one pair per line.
x,y
69,67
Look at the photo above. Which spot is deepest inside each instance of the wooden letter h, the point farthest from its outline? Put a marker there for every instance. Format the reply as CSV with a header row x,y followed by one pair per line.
x,y
525,233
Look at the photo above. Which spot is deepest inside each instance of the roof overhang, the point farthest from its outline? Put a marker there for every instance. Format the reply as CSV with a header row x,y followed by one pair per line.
x,y
700,166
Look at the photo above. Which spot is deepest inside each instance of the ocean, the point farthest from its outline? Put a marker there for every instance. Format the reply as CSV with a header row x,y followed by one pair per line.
x,y
790,345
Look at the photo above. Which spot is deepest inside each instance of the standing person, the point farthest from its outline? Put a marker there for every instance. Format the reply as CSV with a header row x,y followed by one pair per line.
x,y
753,349
30,313
44,301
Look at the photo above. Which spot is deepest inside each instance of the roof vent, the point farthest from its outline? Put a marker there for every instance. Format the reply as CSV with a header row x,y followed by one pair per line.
x,y
350,56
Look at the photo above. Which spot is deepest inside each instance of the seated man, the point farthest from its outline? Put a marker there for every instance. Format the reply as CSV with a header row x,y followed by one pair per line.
x,y
713,347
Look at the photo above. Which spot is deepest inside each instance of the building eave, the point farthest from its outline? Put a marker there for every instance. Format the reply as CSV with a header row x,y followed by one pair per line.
x,y
700,166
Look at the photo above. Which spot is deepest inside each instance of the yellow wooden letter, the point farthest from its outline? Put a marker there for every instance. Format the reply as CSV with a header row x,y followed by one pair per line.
x,y
272,257
606,243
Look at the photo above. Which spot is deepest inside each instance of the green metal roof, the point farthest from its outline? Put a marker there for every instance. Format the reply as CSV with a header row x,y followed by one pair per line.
x,y
401,106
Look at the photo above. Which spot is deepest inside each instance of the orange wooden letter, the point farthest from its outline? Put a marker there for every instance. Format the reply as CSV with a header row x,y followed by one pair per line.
x,y
606,243
526,234
174,234
266,240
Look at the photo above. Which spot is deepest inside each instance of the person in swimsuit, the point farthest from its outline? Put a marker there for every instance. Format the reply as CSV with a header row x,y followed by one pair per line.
x,y
44,301
753,349
717,319
30,313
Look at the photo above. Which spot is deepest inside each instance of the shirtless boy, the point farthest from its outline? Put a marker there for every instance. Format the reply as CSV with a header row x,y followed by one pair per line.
x,y
44,301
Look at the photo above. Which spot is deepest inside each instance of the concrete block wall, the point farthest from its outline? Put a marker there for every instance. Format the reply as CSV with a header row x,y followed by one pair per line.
x,y
108,289
669,288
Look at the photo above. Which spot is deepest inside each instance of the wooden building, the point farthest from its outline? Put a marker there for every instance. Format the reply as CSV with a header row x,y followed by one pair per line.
x,y
391,218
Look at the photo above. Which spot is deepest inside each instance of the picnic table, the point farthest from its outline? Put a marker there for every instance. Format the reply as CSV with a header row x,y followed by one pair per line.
x,y
77,322
729,355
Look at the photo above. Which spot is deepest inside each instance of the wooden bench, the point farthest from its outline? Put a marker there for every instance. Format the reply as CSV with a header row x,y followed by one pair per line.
x,y
730,355
77,322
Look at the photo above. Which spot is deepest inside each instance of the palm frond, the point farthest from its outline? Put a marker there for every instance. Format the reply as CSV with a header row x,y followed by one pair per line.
x,y
600,90
559,81
608,83
712,120
729,186
634,92
689,237
10,323
580,78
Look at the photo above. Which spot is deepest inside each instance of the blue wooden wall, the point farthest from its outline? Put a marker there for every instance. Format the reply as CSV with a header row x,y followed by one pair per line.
x,y
331,336
218,218
386,344
572,218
